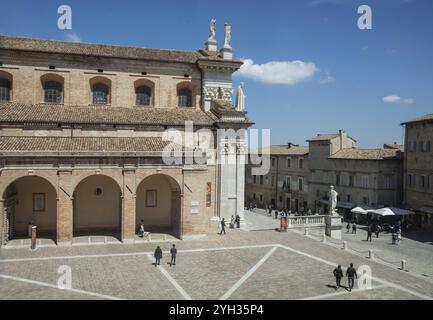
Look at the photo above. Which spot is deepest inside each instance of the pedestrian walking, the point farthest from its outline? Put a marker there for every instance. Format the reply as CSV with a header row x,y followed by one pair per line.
x,y
369,232
238,221
338,274
223,227
232,222
351,275
141,229
377,231
348,228
158,255
354,228
173,252
276,213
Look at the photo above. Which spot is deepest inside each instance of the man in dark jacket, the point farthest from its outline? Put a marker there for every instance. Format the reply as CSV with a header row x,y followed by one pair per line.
x,y
338,274
238,221
369,232
351,275
158,255
223,227
173,252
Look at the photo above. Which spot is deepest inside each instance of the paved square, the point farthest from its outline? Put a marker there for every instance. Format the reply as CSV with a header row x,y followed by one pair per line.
x,y
242,265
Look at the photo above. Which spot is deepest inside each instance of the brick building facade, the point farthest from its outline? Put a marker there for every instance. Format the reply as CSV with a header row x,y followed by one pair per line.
x,y
82,136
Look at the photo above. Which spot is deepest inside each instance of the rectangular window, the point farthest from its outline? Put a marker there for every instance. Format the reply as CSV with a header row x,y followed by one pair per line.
x,y
301,163
300,184
151,198
424,182
272,181
337,180
273,162
348,198
288,183
261,179
412,146
289,162
261,198
351,181
254,196
365,200
388,182
254,179
280,199
38,202
365,181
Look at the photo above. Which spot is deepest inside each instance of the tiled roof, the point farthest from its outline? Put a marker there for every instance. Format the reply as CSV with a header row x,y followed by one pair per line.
x,y
62,47
427,117
285,150
81,144
50,113
394,146
323,137
367,154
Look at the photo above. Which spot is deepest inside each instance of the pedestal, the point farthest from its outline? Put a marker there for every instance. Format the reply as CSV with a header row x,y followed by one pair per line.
x,y
334,225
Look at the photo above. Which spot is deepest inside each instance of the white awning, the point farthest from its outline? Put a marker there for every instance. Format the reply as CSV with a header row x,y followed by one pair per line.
x,y
359,210
391,212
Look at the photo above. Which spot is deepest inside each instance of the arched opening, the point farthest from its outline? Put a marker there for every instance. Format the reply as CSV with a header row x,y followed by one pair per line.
x,y
144,92
52,86
30,200
158,205
185,95
101,90
97,207
5,86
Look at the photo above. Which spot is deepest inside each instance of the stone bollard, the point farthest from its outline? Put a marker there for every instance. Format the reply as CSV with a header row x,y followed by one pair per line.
x,y
370,254
403,265
344,245
305,232
324,238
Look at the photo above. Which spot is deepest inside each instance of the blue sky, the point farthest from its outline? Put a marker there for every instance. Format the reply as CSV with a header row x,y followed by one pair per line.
x,y
340,83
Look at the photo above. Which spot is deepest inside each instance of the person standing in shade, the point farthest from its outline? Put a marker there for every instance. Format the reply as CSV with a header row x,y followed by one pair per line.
x,y
351,275
173,252
369,232
348,228
354,228
223,227
338,274
238,221
276,213
158,255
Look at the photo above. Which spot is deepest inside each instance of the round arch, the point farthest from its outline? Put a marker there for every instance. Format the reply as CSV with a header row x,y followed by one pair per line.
x,y
30,200
6,86
158,204
97,206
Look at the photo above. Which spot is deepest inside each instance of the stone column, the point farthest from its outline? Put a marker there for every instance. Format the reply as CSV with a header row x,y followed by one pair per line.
x,y
2,220
128,206
240,180
65,208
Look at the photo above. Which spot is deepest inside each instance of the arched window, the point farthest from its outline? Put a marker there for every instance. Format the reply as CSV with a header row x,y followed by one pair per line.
x,y
53,92
100,93
5,89
184,97
143,94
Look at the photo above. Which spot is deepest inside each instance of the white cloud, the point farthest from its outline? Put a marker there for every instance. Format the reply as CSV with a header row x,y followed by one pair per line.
x,y
397,100
73,37
328,78
278,72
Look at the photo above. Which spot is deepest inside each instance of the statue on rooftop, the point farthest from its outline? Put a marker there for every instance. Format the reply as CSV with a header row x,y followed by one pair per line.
x,y
212,30
240,98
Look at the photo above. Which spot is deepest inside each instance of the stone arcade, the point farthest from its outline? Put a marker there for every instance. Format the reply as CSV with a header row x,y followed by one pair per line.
x,y
81,144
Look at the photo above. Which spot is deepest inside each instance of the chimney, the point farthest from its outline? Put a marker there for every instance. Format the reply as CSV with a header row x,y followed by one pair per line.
x,y
341,133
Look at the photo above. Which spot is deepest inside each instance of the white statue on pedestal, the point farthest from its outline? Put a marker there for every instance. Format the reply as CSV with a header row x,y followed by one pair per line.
x,y
240,98
227,35
332,201
212,30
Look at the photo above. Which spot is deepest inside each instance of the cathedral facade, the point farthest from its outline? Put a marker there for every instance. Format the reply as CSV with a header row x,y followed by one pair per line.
x,y
83,131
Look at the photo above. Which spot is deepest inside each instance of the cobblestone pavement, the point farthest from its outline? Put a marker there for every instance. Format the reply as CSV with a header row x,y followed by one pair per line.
x,y
241,265
418,255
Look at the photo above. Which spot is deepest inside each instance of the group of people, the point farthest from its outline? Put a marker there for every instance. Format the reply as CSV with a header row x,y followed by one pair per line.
x,y
235,220
376,228
351,274
158,255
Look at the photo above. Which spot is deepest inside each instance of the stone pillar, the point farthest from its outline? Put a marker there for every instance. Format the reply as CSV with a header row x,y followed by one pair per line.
x,y
334,226
128,206
65,208
2,220
240,180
